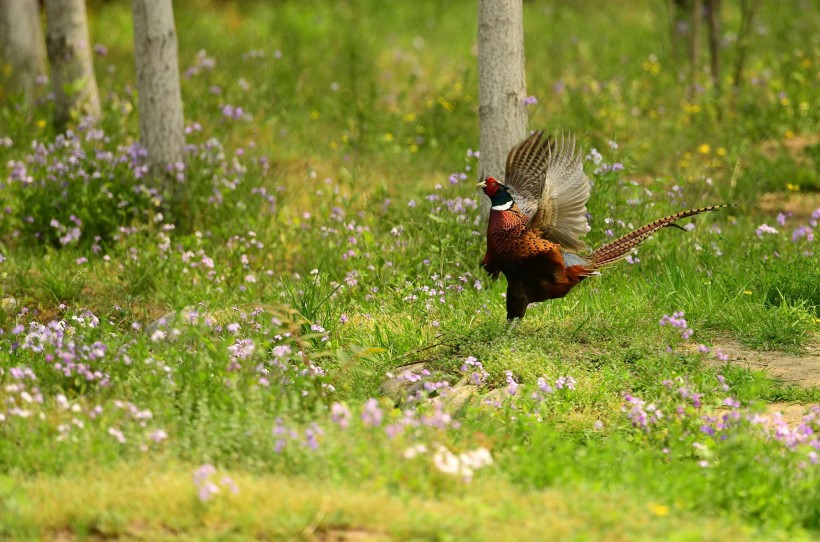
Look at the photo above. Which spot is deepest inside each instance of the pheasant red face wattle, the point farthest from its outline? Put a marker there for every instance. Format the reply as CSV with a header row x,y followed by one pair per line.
x,y
490,186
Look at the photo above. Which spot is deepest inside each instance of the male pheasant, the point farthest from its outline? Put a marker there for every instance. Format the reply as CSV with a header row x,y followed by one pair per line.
x,y
537,219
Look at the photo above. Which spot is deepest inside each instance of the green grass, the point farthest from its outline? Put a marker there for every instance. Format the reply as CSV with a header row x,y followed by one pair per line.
x,y
497,511
308,252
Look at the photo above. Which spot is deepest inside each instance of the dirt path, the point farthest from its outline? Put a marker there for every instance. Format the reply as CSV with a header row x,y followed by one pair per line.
x,y
801,370
800,205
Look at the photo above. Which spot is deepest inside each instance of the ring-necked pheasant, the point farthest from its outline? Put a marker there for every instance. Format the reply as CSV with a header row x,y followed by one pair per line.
x,y
537,219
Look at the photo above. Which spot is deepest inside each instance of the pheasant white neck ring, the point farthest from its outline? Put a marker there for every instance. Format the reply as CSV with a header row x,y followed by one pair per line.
x,y
503,207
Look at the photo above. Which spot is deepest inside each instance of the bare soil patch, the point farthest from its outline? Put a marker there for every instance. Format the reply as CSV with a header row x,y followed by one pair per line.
x,y
798,369
791,413
794,146
800,205
349,535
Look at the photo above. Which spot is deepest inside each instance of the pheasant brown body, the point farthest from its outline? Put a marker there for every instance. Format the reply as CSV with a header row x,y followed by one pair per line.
x,y
537,251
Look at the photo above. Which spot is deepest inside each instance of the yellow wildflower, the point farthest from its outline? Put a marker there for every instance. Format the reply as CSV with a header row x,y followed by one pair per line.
x,y
445,104
659,510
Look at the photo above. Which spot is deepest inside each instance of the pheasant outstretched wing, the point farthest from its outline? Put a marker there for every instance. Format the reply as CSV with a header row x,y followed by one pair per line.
x,y
526,170
549,185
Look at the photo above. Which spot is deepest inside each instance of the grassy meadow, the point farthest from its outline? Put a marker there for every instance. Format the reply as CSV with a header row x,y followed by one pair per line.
x,y
208,361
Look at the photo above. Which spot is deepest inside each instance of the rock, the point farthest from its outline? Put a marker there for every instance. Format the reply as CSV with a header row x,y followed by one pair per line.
x,y
398,388
458,396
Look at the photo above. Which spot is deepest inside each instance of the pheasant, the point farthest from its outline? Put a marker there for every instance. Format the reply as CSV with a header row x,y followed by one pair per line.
x,y
537,219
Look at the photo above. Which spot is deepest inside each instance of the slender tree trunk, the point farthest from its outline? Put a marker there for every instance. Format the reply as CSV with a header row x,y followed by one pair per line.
x,y
22,48
748,10
678,16
713,20
69,52
694,47
502,85
713,7
673,39
160,100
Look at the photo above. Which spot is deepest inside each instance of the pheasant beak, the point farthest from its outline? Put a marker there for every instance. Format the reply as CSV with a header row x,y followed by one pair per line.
x,y
482,184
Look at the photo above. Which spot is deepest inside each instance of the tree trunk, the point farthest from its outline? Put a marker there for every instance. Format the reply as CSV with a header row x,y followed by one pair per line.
x,y
677,15
694,47
713,14
22,48
502,85
748,10
69,52
160,100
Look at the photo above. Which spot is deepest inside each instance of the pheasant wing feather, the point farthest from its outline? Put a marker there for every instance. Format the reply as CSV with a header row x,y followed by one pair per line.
x,y
525,171
550,186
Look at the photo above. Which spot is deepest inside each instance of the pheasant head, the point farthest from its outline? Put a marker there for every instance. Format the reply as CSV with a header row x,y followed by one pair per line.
x,y
498,193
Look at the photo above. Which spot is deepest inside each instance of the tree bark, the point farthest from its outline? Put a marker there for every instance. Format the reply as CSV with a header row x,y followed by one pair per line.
x,y
713,14
22,48
160,99
69,52
748,10
671,7
502,84
694,47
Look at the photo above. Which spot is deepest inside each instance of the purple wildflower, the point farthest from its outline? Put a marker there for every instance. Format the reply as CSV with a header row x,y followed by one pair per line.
x,y
474,370
228,482
158,436
371,414
801,232
340,414
765,228
207,490
565,382
242,348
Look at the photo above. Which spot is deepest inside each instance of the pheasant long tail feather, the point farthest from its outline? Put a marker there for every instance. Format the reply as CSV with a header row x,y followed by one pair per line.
x,y
622,246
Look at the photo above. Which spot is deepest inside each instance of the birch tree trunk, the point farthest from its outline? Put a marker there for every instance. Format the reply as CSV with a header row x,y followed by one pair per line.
x,y
22,48
501,83
160,100
69,52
